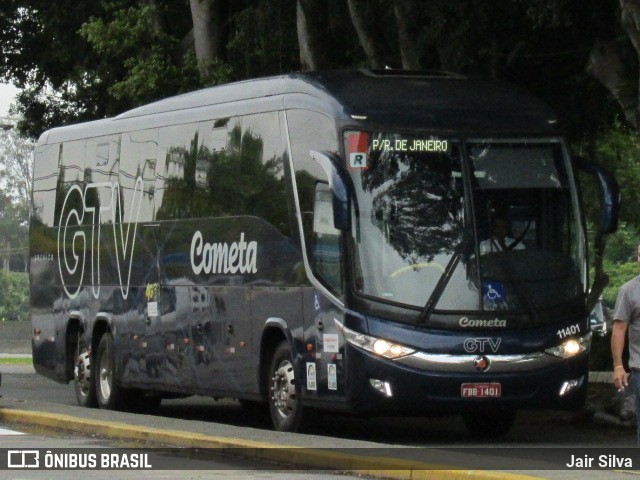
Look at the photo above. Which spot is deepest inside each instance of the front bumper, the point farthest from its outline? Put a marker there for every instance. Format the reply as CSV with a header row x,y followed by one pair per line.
x,y
413,388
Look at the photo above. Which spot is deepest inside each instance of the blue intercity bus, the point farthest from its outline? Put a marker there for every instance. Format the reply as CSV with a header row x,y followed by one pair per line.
x,y
319,241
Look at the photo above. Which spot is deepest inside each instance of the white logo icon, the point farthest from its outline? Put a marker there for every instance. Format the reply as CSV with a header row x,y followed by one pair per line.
x,y
72,258
23,459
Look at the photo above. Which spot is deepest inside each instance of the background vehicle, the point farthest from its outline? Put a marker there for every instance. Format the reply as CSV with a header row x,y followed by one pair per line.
x,y
313,241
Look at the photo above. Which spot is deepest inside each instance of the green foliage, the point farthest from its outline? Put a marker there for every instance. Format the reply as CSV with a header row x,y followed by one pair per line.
x,y
127,37
618,149
14,301
619,274
263,40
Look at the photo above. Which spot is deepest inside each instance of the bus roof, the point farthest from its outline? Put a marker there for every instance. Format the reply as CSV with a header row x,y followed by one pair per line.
x,y
437,101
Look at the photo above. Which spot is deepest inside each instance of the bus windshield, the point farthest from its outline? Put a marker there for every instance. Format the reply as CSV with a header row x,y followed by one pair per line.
x,y
417,242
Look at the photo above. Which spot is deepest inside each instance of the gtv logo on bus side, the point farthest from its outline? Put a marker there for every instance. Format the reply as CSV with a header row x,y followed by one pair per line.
x,y
481,345
76,243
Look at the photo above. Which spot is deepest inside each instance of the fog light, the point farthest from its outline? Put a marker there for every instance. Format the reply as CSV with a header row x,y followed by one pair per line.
x,y
571,385
383,387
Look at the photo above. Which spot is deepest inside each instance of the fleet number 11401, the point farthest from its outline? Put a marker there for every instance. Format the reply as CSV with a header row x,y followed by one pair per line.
x,y
565,332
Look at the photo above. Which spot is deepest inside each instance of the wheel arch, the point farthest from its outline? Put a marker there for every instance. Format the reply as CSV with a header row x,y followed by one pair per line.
x,y
76,324
275,332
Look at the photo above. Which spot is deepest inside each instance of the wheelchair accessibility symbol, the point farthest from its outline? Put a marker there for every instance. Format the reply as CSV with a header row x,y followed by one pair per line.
x,y
493,292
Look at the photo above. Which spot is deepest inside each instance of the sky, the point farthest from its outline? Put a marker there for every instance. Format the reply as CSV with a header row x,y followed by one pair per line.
x,y
7,93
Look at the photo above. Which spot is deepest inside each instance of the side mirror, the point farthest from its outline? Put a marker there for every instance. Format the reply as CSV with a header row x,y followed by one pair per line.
x,y
608,190
597,320
339,183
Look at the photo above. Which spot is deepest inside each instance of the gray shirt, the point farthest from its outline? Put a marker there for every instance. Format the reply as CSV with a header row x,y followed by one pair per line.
x,y
628,310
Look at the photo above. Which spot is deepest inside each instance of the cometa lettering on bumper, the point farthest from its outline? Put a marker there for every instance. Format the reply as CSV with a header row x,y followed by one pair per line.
x,y
239,257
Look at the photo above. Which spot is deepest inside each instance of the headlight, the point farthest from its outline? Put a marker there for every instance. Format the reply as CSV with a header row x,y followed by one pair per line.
x,y
571,347
375,345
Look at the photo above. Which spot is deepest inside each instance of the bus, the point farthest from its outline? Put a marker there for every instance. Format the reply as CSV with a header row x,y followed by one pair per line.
x,y
312,241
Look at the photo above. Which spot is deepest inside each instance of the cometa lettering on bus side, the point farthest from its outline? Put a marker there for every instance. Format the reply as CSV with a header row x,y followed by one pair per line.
x,y
239,257
482,323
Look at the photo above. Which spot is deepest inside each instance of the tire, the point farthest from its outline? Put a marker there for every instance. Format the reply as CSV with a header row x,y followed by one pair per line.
x,y
83,383
109,394
284,393
489,424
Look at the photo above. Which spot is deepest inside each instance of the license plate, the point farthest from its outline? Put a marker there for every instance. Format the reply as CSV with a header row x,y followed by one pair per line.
x,y
481,390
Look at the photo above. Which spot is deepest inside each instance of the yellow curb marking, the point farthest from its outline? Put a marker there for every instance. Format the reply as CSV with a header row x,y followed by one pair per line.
x,y
299,456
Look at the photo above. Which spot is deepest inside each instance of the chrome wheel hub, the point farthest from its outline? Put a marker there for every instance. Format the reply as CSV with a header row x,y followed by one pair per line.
x,y
105,376
283,389
82,372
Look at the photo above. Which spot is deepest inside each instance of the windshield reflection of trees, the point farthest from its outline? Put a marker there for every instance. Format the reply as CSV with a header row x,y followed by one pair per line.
x,y
417,205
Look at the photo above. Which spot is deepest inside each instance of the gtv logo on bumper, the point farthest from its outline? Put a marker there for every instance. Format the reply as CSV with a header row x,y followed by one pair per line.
x,y
482,345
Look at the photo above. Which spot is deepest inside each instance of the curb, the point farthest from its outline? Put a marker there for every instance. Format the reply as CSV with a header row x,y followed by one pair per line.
x,y
600,377
379,467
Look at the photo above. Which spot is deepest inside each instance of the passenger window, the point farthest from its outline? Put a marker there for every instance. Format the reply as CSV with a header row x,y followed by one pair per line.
x,y
45,174
102,167
262,170
137,176
181,179
72,172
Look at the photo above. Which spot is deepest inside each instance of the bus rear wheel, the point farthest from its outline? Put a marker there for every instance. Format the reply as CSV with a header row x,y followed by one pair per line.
x,y
284,403
489,424
82,377
109,394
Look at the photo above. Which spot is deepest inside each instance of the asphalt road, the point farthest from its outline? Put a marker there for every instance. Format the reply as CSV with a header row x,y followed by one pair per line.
x,y
446,435
532,428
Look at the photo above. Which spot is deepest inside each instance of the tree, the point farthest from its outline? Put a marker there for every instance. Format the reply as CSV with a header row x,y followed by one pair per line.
x,y
207,33
16,154
615,61
15,193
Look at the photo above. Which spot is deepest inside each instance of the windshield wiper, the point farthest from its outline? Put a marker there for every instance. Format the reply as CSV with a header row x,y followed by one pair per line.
x,y
444,279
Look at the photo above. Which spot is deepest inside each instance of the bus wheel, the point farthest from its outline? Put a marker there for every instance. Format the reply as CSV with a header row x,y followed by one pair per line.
x,y
108,393
493,424
82,378
285,408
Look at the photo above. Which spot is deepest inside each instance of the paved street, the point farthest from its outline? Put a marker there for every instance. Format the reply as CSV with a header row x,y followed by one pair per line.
x,y
441,439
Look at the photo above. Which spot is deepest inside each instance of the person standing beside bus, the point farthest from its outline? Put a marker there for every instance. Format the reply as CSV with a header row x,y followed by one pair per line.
x,y
627,317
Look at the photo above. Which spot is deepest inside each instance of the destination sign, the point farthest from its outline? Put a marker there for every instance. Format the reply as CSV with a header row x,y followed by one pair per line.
x,y
409,145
